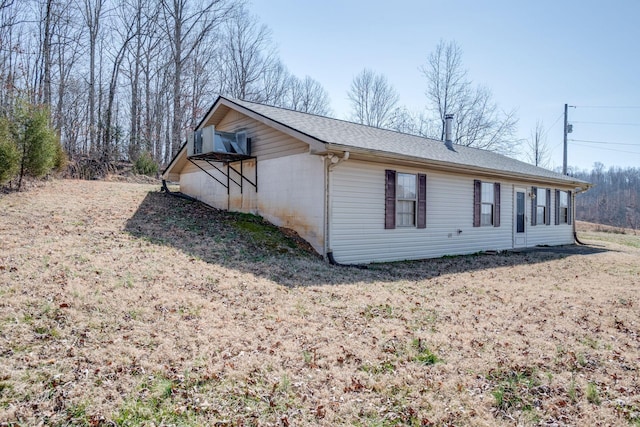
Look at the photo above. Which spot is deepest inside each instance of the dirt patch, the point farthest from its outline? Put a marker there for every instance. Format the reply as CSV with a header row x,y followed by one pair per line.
x,y
119,305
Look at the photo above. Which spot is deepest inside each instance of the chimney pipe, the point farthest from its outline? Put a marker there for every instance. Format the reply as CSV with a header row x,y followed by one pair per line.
x,y
448,119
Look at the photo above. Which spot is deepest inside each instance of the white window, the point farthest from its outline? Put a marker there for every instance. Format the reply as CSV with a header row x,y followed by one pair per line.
x,y
406,198
486,209
564,207
541,206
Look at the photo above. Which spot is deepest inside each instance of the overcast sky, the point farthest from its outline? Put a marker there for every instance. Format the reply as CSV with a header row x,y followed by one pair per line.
x,y
534,55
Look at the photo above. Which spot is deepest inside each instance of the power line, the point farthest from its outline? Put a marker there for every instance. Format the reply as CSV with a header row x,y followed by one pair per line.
x,y
546,132
608,149
605,142
554,123
630,107
557,120
607,123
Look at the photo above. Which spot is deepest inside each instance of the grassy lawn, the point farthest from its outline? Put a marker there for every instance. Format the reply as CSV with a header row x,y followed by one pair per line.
x,y
122,306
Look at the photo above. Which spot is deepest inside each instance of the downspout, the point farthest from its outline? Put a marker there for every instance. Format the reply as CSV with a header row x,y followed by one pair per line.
x,y
331,161
573,208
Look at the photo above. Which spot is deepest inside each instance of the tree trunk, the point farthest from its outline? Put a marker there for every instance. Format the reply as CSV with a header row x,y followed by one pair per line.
x,y
46,55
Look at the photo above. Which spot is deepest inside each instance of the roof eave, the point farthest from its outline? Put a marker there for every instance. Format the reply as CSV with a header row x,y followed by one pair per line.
x,y
315,144
456,167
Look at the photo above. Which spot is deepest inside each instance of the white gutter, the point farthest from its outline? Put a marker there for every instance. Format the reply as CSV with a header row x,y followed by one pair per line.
x,y
459,168
331,161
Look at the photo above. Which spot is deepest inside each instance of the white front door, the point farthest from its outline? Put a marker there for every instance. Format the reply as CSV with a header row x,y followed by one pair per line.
x,y
520,218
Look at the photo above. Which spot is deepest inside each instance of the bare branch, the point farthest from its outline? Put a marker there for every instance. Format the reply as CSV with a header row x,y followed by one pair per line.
x,y
478,120
372,98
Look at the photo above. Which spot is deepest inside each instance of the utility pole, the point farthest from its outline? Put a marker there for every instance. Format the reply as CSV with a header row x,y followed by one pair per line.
x,y
564,158
568,128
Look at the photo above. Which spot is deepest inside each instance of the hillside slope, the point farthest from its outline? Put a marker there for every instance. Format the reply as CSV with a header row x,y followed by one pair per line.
x,y
121,305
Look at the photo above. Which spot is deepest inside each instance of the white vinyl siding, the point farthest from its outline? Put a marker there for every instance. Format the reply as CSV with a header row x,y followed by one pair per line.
x,y
195,183
266,142
290,193
290,181
357,232
550,235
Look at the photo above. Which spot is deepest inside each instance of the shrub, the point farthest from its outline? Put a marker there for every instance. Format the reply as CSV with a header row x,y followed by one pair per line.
x,y
38,141
61,160
145,165
9,154
28,145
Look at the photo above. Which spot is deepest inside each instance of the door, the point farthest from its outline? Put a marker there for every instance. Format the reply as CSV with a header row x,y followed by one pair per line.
x,y
519,220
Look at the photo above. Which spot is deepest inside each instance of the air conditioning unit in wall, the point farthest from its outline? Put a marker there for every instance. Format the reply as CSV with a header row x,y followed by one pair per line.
x,y
200,141
208,135
194,143
207,140
232,143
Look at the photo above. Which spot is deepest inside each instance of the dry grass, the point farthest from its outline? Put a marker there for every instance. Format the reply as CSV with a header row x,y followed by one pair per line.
x,y
120,305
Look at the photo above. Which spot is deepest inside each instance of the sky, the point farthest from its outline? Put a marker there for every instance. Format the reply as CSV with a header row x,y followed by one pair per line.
x,y
534,55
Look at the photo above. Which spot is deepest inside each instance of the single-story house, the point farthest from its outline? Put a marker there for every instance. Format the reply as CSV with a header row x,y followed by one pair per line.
x,y
360,194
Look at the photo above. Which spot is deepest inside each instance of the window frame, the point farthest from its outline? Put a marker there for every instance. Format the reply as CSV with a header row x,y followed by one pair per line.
x,y
563,208
479,201
545,218
489,186
393,196
401,198
541,219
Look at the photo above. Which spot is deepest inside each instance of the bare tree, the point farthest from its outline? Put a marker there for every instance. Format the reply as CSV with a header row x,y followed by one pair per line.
x,y
68,49
308,96
125,27
614,198
276,83
537,148
186,24
372,99
447,83
14,57
479,122
405,121
201,70
46,19
92,14
134,61
247,56
123,77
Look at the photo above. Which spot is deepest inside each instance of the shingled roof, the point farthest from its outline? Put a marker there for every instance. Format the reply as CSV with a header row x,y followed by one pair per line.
x,y
343,135
348,134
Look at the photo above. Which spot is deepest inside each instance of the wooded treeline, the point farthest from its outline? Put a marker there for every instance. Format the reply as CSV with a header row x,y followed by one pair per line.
x,y
614,198
123,78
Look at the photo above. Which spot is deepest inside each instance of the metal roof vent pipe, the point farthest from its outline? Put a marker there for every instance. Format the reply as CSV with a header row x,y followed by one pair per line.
x,y
448,120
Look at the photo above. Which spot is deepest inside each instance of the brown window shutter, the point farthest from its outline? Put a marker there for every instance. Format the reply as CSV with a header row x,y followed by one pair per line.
x,y
534,211
547,211
496,204
557,207
390,199
569,211
422,201
477,202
